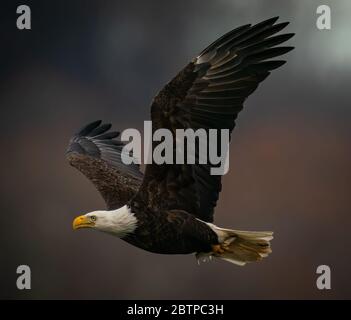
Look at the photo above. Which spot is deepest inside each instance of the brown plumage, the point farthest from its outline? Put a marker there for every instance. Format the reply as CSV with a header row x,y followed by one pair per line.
x,y
174,204
95,153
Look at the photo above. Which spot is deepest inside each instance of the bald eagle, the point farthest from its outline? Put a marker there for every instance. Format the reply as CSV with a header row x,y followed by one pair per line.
x,y
169,209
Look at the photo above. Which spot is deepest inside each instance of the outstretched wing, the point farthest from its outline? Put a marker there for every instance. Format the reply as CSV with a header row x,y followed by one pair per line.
x,y
209,93
95,152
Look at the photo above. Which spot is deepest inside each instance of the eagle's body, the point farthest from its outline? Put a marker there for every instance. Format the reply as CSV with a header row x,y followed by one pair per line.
x,y
157,230
169,209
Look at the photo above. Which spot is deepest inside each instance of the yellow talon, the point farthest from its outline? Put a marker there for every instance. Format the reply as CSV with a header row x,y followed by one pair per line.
x,y
217,249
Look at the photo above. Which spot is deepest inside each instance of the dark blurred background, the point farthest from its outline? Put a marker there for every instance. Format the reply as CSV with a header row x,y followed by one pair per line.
x,y
290,153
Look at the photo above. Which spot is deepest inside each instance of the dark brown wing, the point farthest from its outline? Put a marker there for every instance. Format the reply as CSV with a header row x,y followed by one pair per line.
x,y
95,152
209,93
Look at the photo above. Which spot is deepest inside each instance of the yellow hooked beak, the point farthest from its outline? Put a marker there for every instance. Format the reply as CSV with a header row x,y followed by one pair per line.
x,y
82,222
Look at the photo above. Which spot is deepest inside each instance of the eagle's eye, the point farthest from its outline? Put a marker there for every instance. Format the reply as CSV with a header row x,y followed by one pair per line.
x,y
93,218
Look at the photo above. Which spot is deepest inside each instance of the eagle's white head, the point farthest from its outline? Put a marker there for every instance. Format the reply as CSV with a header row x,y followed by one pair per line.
x,y
118,222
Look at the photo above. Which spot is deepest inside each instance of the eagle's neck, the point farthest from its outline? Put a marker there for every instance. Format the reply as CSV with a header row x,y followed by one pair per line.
x,y
120,222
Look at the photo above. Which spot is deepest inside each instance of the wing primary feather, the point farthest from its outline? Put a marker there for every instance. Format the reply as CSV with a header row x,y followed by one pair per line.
x,y
88,128
99,130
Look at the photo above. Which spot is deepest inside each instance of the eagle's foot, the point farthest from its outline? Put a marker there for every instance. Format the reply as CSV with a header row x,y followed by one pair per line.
x,y
219,249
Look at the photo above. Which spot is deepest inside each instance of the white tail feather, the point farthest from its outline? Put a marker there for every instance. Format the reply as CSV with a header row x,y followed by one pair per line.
x,y
242,247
